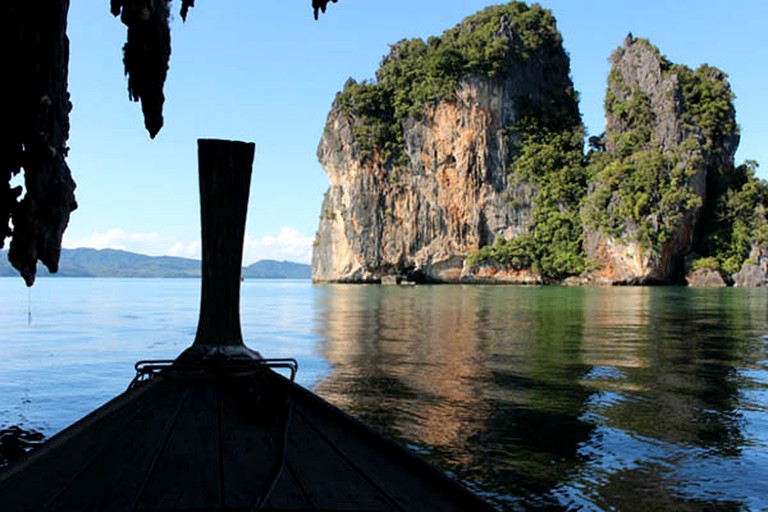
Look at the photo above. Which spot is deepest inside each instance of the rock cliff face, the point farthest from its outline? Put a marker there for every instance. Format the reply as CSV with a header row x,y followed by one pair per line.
x,y
464,162
423,218
651,182
448,193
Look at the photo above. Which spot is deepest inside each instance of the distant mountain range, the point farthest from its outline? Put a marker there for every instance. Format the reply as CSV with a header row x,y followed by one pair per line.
x,y
116,263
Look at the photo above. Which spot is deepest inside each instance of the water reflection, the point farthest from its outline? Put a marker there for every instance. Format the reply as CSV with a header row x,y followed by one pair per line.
x,y
532,440
676,438
407,361
571,398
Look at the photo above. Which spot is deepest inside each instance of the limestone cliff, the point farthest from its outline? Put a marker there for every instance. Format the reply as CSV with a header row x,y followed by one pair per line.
x,y
426,217
419,161
668,129
464,162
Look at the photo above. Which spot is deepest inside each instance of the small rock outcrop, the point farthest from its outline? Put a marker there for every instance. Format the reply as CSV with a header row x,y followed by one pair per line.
x,y
754,272
705,278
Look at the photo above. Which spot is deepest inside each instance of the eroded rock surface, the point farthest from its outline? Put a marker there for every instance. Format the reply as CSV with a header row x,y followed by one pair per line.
x,y
449,193
642,233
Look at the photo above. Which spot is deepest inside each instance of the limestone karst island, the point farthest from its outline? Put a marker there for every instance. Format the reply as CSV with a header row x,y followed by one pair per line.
x,y
464,161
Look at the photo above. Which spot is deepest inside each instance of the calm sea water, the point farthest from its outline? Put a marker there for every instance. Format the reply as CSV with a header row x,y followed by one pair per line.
x,y
537,398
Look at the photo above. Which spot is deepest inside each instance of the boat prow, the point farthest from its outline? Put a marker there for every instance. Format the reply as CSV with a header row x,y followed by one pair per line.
x,y
230,437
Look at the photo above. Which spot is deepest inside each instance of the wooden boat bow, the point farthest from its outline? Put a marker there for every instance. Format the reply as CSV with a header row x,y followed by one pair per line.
x,y
218,428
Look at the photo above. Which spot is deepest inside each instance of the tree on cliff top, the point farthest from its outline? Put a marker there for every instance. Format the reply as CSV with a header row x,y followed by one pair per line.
x,y
417,73
34,53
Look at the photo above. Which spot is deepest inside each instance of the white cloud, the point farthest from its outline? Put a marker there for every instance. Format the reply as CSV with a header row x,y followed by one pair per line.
x,y
289,244
116,238
189,250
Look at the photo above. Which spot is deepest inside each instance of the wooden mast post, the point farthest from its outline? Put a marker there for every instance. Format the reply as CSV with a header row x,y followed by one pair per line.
x,y
225,177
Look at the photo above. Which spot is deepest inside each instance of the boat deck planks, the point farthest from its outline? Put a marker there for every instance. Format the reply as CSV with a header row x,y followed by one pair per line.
x,y
186,472
109,480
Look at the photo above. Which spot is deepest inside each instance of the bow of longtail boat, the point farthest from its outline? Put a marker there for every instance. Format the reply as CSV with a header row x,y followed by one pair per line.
x,y
219,428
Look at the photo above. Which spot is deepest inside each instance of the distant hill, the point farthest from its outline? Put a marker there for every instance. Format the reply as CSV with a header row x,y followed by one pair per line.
x,y
116,263
271,269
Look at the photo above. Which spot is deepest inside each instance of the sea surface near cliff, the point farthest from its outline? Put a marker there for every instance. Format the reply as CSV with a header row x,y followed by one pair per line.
x,y
537,397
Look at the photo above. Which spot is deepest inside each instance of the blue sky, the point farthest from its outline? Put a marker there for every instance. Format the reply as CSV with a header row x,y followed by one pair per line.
x,y
265,71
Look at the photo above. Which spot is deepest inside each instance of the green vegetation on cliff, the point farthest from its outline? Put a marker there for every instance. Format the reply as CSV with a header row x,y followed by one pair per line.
x,y
734,220
734,216
642,189
418,73
552,163
643,186
642,195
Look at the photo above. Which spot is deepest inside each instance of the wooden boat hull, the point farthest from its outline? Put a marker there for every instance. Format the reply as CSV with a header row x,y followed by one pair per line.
x,y
225,440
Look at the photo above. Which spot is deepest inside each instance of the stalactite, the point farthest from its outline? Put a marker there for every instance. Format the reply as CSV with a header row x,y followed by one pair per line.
x,y
320,5
34,55
148,50
146,54
185,5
